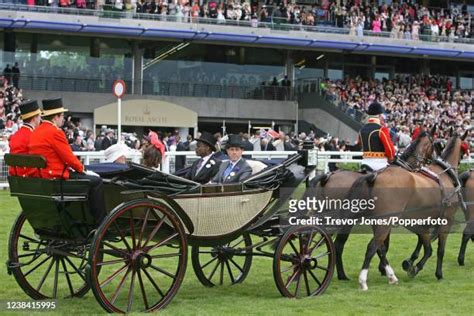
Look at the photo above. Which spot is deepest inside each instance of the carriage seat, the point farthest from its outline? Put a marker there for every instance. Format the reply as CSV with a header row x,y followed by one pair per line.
x,y
256,166
38,188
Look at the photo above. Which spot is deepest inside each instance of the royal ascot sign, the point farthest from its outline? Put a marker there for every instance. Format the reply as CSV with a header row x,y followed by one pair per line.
x,y
147,113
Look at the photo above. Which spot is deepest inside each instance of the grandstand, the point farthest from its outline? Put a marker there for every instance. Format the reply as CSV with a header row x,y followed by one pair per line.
x,y
244,64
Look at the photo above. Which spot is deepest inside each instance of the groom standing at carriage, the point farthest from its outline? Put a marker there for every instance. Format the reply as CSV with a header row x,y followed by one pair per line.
x,y
374,137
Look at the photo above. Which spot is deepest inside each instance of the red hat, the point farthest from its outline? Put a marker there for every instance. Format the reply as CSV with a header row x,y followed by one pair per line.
x,y
155,141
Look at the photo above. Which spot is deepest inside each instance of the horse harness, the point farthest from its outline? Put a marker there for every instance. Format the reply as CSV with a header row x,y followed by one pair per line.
x,y
450,172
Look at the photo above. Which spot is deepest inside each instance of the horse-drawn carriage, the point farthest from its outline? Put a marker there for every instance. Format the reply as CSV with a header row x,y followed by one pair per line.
x,y
136,259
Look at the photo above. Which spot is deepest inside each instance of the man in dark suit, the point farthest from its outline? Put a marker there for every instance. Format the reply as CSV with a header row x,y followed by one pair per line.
x,y
205,168
236,169
108,139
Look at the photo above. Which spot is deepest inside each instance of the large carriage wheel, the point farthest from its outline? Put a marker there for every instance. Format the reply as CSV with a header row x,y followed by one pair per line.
x,y
222,264
46,269
304,261
138,258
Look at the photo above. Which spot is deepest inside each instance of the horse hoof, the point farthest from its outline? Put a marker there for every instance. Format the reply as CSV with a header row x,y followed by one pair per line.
x,y
461,261
343,278
393,280
382,272
406,265
363,287
439,276
412,271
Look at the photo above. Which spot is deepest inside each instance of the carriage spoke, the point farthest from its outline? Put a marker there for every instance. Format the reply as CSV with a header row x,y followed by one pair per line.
x,y
238,243
322,268
142,288
221,279
154,283
310,239
130,293
292,277
230,271
154,231
45,275
209,262
162,271
290,268
38,265
214,270
306,282
122,251
68,279
56,275
235,264
78,271
117,228
322,255
293,247
36,241
113,276
166,255
298,284
320,241
314,277
104,263
29,255
122,282
132,231
142,230
161,243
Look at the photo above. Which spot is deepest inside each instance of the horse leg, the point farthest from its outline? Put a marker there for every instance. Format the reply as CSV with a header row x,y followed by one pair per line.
x,y
441,247
408,263
388,270
339,245
382,264
425,241
380,234
467,234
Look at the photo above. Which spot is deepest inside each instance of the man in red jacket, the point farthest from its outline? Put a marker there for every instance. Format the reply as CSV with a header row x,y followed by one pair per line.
x,y
49,141
377,146
31,116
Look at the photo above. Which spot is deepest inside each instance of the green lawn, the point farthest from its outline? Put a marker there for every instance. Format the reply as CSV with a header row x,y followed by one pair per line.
x,y
258,295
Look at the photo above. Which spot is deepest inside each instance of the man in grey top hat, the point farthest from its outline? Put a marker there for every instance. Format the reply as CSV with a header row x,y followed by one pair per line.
x,y
236,169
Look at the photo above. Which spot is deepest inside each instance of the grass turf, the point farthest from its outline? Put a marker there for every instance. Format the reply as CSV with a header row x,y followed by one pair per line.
x,y
423,295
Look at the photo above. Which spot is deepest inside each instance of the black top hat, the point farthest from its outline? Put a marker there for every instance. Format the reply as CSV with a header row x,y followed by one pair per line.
x,y
375,109
208,139
29,109
53,106
234,141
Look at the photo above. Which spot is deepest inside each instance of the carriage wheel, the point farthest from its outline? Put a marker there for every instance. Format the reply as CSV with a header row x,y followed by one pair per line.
x,y
304,261
138,258
40,271
223,264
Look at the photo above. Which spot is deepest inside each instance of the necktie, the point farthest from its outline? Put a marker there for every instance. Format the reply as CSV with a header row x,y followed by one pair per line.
x,y
199,165
228,170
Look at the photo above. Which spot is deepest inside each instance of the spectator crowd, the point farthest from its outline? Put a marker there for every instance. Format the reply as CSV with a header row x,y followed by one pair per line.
x,y
406,19
409,102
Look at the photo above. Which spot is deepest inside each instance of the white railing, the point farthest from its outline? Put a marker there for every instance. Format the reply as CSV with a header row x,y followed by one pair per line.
x,y
320,159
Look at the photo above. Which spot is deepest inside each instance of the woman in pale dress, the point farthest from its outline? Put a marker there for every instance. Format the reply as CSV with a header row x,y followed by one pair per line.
x,y
415,31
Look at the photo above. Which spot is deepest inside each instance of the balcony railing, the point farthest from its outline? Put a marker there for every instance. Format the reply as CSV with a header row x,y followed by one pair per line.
x,y
168,88
273,23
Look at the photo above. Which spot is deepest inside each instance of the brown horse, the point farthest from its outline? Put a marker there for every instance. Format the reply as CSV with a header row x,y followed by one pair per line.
x,y
467,179
412,196
336,185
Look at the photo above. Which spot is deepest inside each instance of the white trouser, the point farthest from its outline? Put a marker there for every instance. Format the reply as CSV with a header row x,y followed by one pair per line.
x,y
375,163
